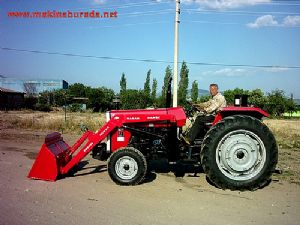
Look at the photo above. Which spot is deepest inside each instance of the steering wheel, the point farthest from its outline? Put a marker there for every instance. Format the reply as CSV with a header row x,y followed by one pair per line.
x,y
191,109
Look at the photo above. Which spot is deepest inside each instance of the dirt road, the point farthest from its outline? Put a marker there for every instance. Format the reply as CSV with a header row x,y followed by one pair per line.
x,y
90,197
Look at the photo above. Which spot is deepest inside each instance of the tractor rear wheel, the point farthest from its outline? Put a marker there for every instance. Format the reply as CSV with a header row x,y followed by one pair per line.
x,y
239,153
127,166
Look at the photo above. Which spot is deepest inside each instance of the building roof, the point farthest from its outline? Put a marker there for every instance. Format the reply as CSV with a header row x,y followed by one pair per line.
x,y
5,90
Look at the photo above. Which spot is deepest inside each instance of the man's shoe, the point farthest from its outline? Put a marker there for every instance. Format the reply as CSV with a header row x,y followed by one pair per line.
x,y
185,140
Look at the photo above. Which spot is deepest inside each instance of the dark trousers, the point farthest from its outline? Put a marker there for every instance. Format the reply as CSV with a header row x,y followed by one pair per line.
x,y
197,129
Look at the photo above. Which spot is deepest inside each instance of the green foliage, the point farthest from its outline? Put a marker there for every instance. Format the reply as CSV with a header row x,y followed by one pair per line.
x,y
183,84
100,99
257,98
45,97
77,90
154,89
133,99
122,83
162,98
42,107
147,90
75,107
30,102
229,94
291,106
277,103
194,92
204,98
59,97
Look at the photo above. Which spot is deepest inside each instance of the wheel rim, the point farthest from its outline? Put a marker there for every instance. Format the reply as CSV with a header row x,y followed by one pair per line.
x,y
241,155
126,168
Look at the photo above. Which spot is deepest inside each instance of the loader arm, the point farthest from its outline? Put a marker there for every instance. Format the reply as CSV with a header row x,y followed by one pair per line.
x,y
56,157
93,139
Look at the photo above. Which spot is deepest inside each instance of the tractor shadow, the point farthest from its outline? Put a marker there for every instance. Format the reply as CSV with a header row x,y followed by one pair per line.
x,y
80,169
179,169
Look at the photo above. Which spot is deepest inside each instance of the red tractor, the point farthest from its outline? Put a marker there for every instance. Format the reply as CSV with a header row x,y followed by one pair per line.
x,y
238,151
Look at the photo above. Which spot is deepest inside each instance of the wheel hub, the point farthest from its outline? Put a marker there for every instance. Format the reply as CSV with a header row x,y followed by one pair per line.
x,y
240,155
126,168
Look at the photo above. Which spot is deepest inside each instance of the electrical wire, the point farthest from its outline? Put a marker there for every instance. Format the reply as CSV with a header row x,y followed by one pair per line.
x,y
212,22
232,23
122,6
137,24
147,60
153,12
240,12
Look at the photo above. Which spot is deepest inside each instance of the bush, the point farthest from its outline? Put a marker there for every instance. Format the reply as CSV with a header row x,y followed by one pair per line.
x,y
134,99
30,102
75,107
42,107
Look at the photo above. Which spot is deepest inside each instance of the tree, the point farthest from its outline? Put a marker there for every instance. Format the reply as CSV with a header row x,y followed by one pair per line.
x,y
100,98
194,92
59,97
154,89
204,98
257,98
133,99
122,83
183,84
291,106
276,103
229,94
168,75
77,90
162,98
147,89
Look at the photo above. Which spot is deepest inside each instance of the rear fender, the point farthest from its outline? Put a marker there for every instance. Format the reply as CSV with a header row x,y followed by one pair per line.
x,y
231,111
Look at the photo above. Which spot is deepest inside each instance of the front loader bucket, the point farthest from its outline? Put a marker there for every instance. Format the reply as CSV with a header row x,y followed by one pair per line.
x,y
54,155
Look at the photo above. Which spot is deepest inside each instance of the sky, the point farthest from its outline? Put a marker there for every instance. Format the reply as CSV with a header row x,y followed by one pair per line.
x,y
255,43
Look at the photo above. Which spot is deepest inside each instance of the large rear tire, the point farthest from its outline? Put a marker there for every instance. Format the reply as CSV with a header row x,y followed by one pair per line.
x,y
127,166
239,153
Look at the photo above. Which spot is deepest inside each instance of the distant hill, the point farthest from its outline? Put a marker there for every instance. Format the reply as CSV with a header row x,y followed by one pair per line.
x,y
201,92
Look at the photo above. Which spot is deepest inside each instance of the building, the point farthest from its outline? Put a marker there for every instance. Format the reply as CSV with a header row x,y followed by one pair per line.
x,y
10,99
32,86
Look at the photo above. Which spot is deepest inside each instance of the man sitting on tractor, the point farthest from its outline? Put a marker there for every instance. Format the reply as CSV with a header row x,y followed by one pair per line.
x,y
207,112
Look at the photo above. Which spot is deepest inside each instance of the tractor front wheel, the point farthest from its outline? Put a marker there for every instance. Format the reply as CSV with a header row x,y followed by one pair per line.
x,y
239,153
127,166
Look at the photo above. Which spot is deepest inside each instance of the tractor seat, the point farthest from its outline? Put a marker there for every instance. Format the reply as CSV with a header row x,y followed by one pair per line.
x,y
208,125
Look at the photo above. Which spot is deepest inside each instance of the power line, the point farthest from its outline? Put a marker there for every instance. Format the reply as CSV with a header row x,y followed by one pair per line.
x,y
147,60
211,22
231,23
128,5
238,12
286,2
153,12
137,24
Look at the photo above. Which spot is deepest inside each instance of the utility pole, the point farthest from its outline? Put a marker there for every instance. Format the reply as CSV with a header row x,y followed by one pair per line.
x,y
175,76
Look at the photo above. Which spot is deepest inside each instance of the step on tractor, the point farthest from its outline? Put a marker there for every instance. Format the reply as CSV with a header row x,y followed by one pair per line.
x,y
237,152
